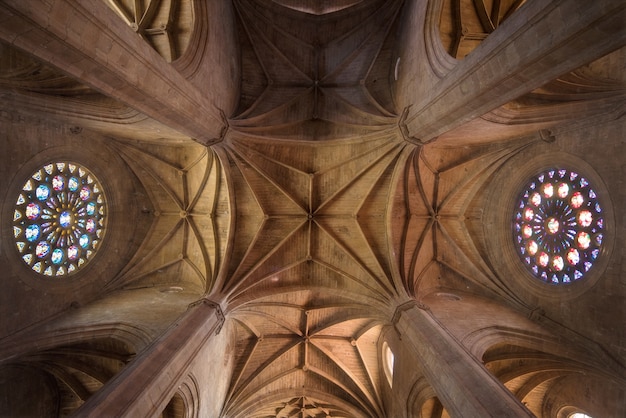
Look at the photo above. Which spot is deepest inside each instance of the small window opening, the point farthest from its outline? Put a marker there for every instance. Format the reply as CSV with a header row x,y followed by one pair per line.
x,y
388,360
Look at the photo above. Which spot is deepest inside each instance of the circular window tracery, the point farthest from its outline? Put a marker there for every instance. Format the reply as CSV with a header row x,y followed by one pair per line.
x,y
558,226
59,219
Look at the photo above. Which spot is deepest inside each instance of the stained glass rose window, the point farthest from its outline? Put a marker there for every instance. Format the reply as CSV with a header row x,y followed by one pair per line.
x,y
558,226
59,219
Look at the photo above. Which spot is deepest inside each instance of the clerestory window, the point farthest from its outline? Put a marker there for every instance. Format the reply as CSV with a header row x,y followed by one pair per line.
x,y
558,226
59,219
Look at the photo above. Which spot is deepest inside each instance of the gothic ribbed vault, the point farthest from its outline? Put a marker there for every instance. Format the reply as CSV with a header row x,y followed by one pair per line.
x,y
311,166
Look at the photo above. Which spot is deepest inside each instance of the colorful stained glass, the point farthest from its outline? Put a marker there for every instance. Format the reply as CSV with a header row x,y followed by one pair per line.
x,y
91,208
572,256
32,211
583,240
553,226
528,214
42,192
72,252
85,193
57,256
584,218
65,219
556,226
599,239
62,215
58,183
42,249
535,199
577,200
544,259
73,184
32,233
548,190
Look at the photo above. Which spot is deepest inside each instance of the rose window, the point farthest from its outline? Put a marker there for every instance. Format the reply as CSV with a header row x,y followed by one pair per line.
x,y
59,219
558,226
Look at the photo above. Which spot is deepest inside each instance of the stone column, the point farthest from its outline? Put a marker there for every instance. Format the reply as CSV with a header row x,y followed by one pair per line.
x,y
144,387
538,43
462,384
86,40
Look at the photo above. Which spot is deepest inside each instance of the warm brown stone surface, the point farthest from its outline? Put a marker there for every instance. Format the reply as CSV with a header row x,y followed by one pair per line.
x,y
336,182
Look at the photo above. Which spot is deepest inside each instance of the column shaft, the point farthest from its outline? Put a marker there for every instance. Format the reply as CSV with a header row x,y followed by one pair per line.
x,y
145,385
89,42
464,386
540,42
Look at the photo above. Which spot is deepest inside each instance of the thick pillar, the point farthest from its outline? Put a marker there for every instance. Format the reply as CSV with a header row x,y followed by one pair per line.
x,y
462,384
538,43
86,40
144,387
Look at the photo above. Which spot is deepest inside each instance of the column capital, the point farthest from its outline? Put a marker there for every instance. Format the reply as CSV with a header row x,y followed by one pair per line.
x,y
405,306
404,129
219,313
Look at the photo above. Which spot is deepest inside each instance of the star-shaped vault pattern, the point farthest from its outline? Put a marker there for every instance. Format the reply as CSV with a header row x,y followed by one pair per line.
x,y
190,213
328,86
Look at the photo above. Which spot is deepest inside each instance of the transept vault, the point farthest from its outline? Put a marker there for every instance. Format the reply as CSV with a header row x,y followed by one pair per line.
x,y
307,208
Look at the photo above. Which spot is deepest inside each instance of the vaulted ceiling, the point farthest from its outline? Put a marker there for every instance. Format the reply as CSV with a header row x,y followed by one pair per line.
x,y
313,215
